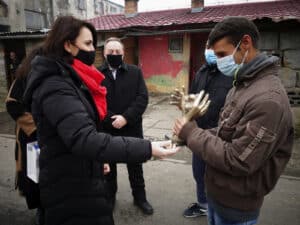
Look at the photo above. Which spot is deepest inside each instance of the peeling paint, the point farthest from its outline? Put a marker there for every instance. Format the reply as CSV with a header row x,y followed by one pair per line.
x,y
166,84
155,58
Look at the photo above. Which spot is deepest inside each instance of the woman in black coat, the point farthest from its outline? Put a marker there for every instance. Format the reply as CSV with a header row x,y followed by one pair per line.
x,y
68,106
25,133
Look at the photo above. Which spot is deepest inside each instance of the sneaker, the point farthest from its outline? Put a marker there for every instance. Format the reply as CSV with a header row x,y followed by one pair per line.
x,y
194,210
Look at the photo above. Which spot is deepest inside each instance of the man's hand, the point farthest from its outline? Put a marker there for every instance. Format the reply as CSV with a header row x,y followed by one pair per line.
x,y
119,121
106,168
179,123
163,149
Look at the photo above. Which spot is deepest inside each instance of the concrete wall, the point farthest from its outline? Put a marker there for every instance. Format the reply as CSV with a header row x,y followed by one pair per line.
x,y
16,15
287,46
163,71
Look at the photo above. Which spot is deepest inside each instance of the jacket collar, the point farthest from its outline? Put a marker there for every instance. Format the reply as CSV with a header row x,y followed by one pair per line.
x,y
124,66
252,69
211,68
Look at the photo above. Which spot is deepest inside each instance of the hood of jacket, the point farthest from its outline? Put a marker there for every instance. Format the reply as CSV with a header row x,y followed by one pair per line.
x,y
41,68
251,69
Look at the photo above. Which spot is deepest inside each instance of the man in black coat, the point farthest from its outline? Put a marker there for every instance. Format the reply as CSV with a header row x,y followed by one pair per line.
x,y
127,99
216,84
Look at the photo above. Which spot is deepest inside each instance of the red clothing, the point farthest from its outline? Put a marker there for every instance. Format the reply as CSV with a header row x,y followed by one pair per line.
x,y
92,78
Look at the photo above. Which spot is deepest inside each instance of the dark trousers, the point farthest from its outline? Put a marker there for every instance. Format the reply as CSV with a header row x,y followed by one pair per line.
x,y
198,173
136,179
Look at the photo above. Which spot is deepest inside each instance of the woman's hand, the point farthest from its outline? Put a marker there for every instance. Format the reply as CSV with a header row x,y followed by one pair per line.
x,y
106,168
163,149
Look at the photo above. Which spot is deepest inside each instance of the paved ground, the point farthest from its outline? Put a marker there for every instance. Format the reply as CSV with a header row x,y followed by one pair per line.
x,y
169,183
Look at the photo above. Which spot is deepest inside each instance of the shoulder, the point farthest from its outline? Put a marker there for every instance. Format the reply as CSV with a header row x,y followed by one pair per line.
x,y
131,67
103,68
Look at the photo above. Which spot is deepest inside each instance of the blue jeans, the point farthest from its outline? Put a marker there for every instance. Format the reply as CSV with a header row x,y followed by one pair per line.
x,y
213,218
198,173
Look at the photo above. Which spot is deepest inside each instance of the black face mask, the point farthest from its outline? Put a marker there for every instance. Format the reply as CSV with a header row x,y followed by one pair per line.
x,y
114,60
87,57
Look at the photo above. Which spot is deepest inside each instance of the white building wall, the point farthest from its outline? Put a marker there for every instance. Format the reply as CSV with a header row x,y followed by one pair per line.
x,y
16,15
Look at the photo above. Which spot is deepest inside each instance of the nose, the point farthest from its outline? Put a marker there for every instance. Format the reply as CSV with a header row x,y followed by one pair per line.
x,y
92,48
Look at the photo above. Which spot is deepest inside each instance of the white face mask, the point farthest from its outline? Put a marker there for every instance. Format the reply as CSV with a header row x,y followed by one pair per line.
x,y
228,66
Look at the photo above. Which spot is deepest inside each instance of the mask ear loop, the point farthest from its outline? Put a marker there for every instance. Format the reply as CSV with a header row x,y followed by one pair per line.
x,y
238,45
236,72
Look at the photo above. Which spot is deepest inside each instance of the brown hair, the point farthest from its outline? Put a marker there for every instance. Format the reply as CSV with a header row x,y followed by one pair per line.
x,y
65,28
25,67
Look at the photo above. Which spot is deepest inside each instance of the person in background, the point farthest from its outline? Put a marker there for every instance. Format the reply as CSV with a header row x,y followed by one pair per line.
x,y
127,100
68,106
12,67
248,151
25,133
217,85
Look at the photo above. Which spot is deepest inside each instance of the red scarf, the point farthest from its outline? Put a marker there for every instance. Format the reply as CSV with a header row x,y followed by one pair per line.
x,y
92,78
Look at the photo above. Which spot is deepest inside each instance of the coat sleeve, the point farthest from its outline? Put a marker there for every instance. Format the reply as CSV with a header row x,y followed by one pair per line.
x,y
64,110
248,152
136,109
14,105
195,83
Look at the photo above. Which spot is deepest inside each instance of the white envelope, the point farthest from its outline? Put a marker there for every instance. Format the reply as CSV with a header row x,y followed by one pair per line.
x,y
33,168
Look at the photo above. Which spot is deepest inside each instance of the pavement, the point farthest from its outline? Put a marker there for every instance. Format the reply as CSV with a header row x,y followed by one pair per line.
x,y
169,183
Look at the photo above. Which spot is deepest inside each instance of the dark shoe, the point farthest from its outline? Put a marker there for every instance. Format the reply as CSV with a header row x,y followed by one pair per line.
x,y
40,217
144,206
194,210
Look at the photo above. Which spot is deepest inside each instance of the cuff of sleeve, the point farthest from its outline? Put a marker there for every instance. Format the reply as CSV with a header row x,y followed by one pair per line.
x,y
127,118
150,151
187,129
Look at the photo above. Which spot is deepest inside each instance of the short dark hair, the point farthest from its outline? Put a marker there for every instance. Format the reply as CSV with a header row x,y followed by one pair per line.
x,y
65,28
234,28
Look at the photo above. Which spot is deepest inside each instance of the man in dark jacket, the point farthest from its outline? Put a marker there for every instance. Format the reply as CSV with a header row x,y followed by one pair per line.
x,y
217,85
127,99
248,151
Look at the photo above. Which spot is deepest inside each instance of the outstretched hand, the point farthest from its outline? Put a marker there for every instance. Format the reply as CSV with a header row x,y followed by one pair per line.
x,y
163,149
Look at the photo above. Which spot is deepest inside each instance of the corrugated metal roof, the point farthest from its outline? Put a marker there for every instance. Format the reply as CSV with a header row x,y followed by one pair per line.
x,y
277,11
24,34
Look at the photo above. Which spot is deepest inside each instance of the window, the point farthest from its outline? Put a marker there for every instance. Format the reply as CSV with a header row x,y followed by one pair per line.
x,y
81,4
99,7
113,9
63,4
175,44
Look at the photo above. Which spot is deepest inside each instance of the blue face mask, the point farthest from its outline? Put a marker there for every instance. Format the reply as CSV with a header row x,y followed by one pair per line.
x,y
228,66
210,57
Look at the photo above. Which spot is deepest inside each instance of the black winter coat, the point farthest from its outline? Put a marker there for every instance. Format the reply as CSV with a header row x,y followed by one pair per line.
x,y
126,96
73,149
217,85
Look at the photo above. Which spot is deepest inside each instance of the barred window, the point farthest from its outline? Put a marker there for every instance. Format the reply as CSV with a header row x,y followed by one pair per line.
x,y
175,44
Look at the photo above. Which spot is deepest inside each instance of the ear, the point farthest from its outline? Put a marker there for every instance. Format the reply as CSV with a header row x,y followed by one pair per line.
x,y
246,43
67,46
